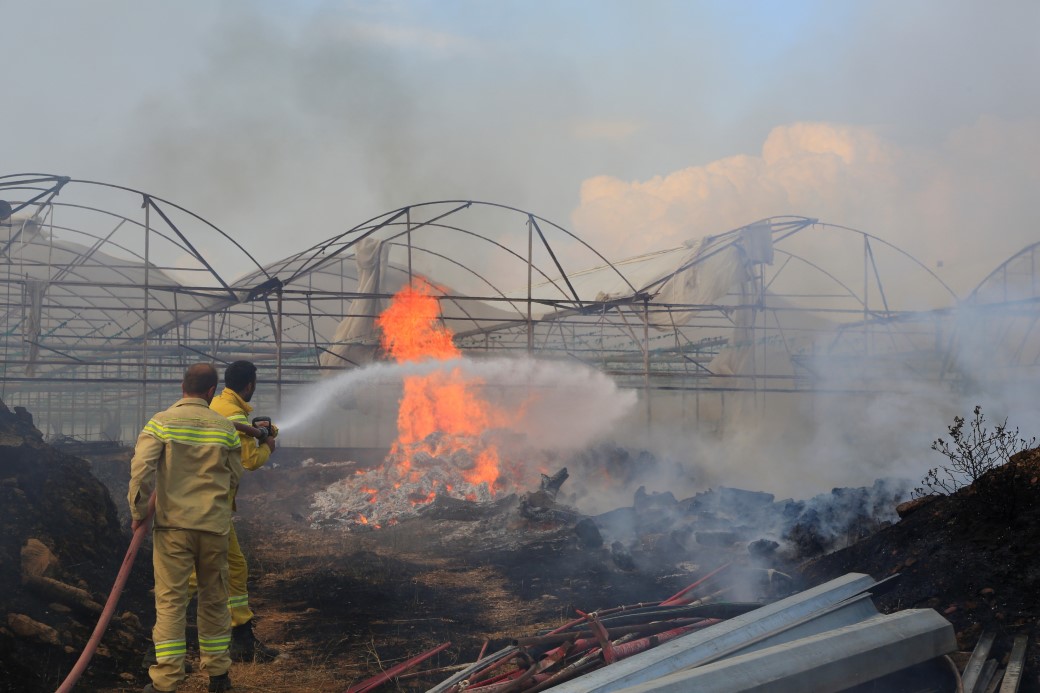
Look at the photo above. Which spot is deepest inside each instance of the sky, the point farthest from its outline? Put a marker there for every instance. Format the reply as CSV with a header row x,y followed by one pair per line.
x,y
638,125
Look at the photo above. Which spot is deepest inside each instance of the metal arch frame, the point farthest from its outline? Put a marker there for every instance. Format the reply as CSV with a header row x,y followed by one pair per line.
x,y
102,354
673,359
80,261
790,225
366,228
178,240
797,222
314,260
11,182
870,318
299,262
548,279
783,227
1015,316
318,257
325,262
1032,250
899,250
44,199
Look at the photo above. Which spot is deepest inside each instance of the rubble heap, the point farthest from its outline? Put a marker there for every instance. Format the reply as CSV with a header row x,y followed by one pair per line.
x,y
61,545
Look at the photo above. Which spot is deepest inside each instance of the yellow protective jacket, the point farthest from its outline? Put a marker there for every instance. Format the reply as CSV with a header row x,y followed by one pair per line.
x,y
229,404
191,457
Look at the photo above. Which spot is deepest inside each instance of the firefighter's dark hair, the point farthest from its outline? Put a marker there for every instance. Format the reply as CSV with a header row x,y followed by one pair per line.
x,y
199,378
239,374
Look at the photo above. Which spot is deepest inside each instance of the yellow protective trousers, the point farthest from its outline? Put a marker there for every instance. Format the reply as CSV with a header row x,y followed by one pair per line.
x,y
175,553
238,575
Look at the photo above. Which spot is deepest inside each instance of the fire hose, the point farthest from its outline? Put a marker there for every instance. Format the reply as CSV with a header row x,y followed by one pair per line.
x,y
113,600
260,433
595,639
391,673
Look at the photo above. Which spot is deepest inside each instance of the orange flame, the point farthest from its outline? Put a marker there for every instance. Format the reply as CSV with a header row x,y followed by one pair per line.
x,y
443,402
410,329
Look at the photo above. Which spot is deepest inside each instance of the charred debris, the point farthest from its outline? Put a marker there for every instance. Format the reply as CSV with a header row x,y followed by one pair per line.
x,y
969,558
61,544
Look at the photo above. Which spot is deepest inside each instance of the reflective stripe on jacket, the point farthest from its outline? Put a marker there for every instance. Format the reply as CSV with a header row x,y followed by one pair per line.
x,y
191,456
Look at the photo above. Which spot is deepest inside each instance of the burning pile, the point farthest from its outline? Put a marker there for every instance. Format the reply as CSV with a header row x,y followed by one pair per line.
x,y
447,440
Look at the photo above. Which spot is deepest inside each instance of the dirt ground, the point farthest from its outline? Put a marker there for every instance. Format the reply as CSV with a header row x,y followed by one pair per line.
x,y
345,605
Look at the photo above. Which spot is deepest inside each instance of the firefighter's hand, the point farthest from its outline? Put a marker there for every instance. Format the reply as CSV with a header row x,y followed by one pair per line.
x,y
135,524
270,443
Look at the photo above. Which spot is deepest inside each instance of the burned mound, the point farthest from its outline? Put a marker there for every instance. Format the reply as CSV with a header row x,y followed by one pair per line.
x,y
974,556
61,546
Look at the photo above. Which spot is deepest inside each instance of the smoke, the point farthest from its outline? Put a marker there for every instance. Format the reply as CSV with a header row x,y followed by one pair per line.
x,y
960,206
285,127
307,128
869,419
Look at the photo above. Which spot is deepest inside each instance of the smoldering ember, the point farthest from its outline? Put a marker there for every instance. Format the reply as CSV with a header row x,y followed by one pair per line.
x,y
783,457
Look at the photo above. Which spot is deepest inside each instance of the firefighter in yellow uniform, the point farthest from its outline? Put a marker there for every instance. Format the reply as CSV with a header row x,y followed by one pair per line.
x,y
233,403
190,456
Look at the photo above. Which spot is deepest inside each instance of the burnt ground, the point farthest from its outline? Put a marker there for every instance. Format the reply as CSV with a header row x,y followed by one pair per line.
x,y
359,601
973,556
61,544
344,605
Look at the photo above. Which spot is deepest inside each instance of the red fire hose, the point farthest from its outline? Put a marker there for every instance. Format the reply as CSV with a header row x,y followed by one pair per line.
x,y
113,600
371,683
676,598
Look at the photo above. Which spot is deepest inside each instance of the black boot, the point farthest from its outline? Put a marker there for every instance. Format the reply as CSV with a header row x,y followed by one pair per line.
x,y
217,684
246,648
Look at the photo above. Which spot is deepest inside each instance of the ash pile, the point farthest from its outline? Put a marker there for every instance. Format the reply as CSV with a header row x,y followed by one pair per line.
x,y
737,519
542,541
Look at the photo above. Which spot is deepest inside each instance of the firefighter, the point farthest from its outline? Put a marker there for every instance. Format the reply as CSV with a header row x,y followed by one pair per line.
x,y
190,456
233,403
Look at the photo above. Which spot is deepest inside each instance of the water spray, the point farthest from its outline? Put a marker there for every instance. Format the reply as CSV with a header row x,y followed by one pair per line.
x,y
317,396
585,401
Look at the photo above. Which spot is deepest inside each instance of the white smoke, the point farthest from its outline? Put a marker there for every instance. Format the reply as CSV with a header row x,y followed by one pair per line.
x,y
960,203
966,202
